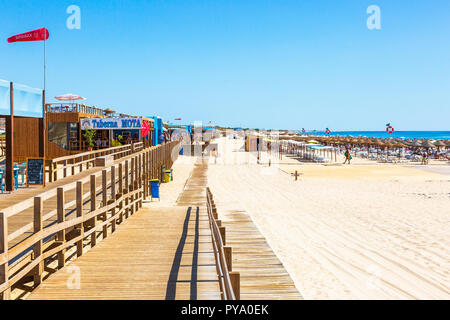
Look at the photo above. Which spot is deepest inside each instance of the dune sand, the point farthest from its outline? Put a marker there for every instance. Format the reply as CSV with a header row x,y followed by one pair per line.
x,y
354,232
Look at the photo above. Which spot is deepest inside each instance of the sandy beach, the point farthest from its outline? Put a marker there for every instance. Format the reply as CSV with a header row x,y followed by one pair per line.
x,y
365,231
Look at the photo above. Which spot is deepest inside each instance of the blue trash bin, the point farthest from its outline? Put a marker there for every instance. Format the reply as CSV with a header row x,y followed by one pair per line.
x,y
154,188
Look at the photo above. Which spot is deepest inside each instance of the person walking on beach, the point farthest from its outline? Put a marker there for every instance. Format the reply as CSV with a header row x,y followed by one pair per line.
x,y
424,158
348,156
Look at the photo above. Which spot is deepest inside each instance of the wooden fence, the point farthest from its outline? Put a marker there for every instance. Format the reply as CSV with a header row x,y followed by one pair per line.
x,y
67,165
122,189
229,281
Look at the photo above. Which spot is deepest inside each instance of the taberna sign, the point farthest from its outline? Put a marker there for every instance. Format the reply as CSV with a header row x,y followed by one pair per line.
x,y
111,123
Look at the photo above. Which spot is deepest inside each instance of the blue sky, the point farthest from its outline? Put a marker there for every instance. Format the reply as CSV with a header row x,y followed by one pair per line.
x,y
251,63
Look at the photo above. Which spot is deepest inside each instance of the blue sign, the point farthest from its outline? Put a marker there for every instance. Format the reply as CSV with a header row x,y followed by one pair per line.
x,y
111,123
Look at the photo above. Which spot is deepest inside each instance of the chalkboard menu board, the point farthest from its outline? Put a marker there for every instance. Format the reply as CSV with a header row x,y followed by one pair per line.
x,y
35,171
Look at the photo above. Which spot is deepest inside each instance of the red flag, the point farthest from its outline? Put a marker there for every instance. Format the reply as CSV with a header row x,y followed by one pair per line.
x,y
177,118
145,128
35,35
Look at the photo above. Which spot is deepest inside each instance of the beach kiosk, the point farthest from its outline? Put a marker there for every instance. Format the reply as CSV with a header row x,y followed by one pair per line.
x,y
124,129
66,123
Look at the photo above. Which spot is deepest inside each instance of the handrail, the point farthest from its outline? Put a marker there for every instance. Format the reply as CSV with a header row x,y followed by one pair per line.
x,y
218,245
79,108
121,196
78,160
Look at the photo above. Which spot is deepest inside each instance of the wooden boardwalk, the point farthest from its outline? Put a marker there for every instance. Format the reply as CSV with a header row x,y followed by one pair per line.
x,y
167,253
158,253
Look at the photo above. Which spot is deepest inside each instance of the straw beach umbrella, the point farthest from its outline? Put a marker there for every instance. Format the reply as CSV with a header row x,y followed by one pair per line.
x,y
427,144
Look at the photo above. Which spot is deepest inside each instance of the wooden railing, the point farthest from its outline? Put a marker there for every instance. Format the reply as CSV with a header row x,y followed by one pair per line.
x,y
229,281
67,165
123,187
80,108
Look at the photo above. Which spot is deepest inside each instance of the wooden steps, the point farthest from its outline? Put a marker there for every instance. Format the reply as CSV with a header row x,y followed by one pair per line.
x,y
263,276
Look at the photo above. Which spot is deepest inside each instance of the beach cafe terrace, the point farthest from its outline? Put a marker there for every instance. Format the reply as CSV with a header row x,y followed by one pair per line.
x,y
67,124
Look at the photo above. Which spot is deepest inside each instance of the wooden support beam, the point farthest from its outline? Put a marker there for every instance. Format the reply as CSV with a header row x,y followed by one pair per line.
x,y
37,247
65,168
10,143
228,251
235,279
80,213
120,177
104,200
4,271
222,234
113,182
50,171
93,207
61,236
125,190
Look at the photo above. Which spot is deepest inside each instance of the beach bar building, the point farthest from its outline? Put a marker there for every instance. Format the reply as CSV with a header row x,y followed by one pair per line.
x,y
68,122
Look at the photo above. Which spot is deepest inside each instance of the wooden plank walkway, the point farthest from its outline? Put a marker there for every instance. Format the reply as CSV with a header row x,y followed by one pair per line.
x,y
167,253
158,253
263,276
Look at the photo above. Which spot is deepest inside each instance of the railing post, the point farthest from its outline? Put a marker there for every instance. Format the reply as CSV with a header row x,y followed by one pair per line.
x,y
80,213
65,168
113,197
50,171
92,221
37,247
113,182
228,257
120,178
55,171
61,236
73,166
235,279
104,200
140,179
131,187
132,173
136,172
222,234
4,272
126,189
145,165
136,182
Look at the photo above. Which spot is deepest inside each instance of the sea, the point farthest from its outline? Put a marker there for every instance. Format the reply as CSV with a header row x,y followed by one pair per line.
x,y
435,135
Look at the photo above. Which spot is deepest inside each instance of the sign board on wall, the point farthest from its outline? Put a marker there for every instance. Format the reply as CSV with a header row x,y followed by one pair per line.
x,y
111,123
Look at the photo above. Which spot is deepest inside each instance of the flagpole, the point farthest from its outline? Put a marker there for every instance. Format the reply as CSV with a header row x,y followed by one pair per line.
x,y
45,64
